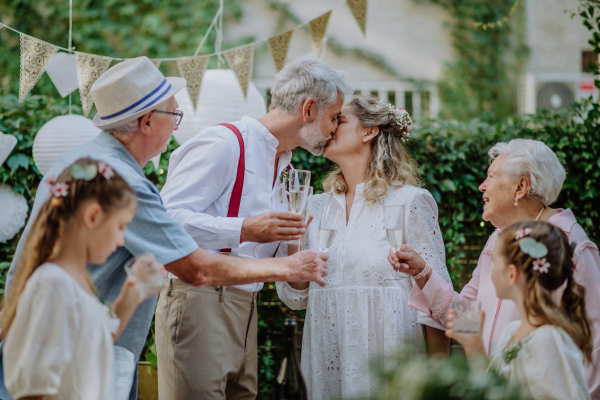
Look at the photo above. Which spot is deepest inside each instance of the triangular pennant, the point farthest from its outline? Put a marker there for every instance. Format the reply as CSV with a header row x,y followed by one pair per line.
x,y
359,10
89,69
192,69
35,57
157,63
1,26
279,48
241,61
318,27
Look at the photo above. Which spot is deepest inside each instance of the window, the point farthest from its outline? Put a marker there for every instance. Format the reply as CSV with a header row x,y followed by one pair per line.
x,y
587,58
408,102
357,92
392,98
375,93
425,104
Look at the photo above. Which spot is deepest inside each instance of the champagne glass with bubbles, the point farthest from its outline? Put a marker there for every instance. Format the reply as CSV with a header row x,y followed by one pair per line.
x,y
298,185
330,219
393,216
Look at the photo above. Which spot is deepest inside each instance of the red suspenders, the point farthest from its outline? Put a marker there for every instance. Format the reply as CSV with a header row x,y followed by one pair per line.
x,y
238,186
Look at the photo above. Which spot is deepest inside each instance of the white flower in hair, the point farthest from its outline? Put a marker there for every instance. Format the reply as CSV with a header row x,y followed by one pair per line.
x,y
403,119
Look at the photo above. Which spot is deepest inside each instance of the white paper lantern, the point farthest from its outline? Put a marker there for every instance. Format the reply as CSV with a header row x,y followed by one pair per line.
x,y
59,136
7,144
221,100
13,213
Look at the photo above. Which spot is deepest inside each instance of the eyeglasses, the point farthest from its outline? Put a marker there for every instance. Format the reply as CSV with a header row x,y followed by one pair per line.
x,y
178,115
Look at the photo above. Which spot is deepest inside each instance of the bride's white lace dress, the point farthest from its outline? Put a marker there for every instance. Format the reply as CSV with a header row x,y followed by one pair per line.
x,y
359,314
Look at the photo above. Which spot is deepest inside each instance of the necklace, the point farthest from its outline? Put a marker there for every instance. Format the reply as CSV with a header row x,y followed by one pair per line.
x,y
540,214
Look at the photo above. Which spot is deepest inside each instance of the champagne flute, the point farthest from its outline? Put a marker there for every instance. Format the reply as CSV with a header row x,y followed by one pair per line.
x,y
297,197
328,226
393,216
306,214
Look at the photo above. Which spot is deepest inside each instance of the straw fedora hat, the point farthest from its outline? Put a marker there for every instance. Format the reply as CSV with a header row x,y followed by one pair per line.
x,y
129,90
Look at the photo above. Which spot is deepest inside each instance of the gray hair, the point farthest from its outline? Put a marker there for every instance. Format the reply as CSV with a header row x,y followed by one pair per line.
x,y
303,79
535,160
133,126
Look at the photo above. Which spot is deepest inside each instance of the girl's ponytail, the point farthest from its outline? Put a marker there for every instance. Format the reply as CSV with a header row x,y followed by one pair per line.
x,y
573,302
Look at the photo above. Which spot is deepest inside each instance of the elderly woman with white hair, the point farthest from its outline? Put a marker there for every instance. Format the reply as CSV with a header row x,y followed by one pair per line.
x,y
524,179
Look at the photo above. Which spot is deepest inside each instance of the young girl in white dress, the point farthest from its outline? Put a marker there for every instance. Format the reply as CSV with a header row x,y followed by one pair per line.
x,y
360,313
59,336
545,351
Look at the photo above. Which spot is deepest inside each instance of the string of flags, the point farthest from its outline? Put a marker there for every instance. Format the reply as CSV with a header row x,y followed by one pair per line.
x,y
37,56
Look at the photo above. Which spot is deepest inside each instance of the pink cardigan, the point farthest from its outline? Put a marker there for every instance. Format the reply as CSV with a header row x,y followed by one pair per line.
x,y
436,297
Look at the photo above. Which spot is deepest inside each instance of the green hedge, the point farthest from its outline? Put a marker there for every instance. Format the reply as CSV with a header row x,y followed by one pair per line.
x,y
453,162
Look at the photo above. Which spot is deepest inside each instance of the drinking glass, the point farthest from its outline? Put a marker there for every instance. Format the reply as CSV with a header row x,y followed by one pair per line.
x,y
299,177
467,317
306,214
330,219
297,186
147,274
393,219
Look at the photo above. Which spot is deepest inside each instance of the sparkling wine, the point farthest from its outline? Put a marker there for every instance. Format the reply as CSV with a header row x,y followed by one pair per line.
x,y
306,215
289,383
325,238
395,237
297,199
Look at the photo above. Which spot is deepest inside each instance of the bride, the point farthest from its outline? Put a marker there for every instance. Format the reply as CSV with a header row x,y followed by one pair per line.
x,y
361,313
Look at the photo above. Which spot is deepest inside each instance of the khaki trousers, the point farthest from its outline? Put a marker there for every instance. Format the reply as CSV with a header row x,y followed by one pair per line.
x,y
206,343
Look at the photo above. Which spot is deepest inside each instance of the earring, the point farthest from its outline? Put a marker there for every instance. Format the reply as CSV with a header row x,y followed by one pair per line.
x,y
516,203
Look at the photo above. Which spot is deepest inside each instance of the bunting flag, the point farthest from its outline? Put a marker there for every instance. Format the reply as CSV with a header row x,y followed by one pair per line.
x,y
157,63
89,69
192,69
241,61
1,26
279,47
359,10
318,27
35,57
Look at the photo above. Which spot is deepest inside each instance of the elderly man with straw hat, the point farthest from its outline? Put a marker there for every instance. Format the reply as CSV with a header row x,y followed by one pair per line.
x,y
137,112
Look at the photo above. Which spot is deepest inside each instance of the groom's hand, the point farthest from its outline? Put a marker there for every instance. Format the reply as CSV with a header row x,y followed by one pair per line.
x,y
273,226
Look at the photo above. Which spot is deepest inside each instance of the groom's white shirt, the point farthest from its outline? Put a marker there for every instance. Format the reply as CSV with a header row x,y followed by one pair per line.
x,y
200,180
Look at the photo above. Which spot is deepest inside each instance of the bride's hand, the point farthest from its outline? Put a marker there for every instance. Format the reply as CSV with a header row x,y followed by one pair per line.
x,y
406,260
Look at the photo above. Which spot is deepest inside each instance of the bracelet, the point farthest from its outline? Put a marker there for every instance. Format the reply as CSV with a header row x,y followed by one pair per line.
x,y
423,273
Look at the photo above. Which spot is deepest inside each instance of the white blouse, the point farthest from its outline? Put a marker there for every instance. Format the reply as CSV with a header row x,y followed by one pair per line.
x,y
60,343
547,363
359,314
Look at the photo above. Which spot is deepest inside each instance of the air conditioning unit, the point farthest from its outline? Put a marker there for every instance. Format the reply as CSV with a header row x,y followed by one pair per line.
x,y
553,91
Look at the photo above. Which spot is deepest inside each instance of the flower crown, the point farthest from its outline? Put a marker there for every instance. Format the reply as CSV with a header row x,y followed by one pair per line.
x,y
536,250
403,119
86,172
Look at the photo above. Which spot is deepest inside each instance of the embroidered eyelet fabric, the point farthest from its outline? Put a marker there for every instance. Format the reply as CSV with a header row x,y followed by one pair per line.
x,y
359,314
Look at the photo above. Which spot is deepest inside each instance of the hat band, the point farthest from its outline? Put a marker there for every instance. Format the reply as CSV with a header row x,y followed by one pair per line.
x,y
146,102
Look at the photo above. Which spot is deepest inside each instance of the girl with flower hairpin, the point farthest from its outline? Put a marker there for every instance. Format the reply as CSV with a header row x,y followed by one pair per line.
x,y
59,336
545,351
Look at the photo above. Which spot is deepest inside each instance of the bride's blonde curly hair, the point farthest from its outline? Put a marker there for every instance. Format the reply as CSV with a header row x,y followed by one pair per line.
x,y
390,163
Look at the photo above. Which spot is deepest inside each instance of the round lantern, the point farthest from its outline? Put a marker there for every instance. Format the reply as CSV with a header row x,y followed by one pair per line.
x,y
59,136
221,100
13,213
7,144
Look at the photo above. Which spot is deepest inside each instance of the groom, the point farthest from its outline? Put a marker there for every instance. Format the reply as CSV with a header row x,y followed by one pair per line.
x,y
224,187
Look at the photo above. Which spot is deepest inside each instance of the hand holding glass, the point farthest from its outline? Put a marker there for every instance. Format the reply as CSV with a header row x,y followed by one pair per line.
x,y
467,317
393,216
330,219
148,275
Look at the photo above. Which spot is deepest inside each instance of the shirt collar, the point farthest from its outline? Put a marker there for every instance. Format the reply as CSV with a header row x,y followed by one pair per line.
x,y
262,130
565,219
107,140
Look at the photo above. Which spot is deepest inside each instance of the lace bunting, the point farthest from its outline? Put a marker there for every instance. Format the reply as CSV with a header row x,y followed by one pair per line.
x,y
192,69
359,10
241,61
318,27
35,57
89,69
157,63
279,48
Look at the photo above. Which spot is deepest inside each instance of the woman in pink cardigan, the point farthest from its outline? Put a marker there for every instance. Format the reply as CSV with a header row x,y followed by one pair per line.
x,y
524,178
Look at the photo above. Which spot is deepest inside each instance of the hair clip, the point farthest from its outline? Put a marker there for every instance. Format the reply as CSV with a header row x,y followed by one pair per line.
x,y
403,119
541,265
521,233
105,170
533,248
86,172
60,189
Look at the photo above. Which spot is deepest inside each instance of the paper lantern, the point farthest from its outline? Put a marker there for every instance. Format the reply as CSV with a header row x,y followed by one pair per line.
x,y
59,136
13,213
7,144
221,100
